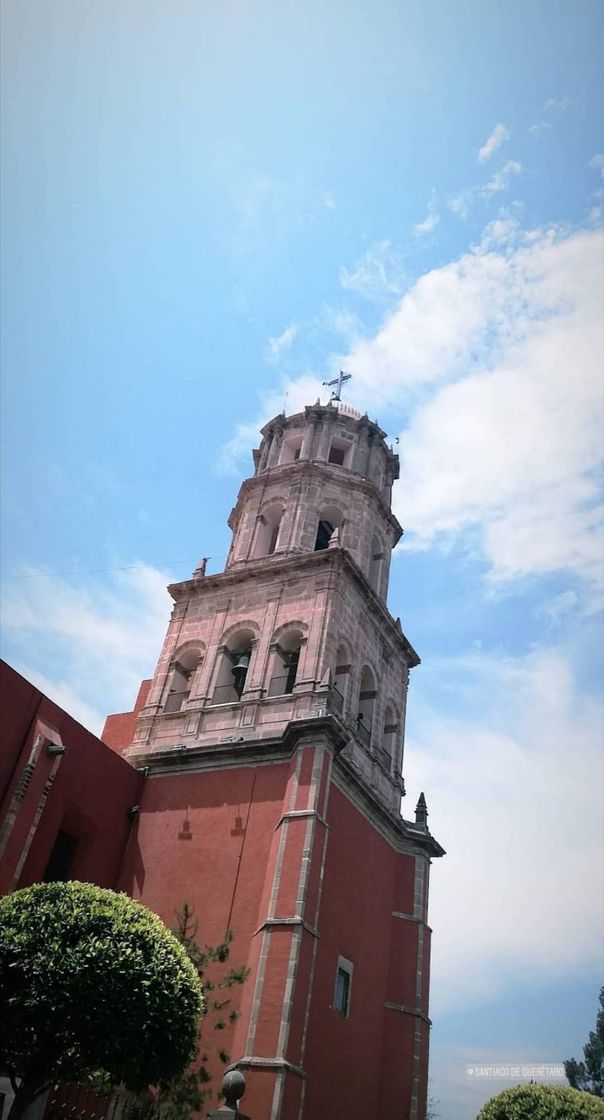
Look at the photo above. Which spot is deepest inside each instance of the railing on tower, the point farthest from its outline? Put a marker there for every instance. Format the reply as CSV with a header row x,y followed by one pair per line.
x,y
225,694
363,733
280,686
175,701
336,698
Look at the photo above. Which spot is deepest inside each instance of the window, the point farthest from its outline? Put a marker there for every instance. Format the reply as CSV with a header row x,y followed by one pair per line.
x,y
330,518
375,567
389,736
342,674
290,452
367,696
234,662
339,452
183,670
341,999
284,667
61,857
267,531
323,534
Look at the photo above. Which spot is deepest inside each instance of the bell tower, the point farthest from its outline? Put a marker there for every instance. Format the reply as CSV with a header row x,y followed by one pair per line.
x,y
273,735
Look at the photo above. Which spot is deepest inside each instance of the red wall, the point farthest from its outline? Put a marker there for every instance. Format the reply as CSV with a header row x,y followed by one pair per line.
x,y
211,838
118,731
365,880
205,838
89,798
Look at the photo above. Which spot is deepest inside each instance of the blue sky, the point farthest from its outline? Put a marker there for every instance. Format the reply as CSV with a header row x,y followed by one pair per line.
x,y
208,206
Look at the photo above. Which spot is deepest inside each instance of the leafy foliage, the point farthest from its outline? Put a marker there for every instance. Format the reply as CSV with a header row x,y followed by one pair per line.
x,y
589,1075
187,1092
542,1102
92,981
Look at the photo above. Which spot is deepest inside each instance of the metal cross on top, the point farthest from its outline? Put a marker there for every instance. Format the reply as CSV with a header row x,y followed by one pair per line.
x,y
339,381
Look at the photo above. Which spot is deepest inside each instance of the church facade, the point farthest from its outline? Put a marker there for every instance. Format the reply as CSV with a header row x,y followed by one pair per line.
x,y
259,779
272,739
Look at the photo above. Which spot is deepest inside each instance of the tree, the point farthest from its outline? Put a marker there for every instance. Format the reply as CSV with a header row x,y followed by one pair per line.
x,y
91,982
542,1102
187,1092
589,1075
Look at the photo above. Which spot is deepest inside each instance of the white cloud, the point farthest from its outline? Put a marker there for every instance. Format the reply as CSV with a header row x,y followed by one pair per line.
x,y
496,360
538,128
329,201
560,606
430,221
501,231
293,396
556,104
597,163
501,179
461,204
513,782
497,137
85,645
378,273
277,346
509,443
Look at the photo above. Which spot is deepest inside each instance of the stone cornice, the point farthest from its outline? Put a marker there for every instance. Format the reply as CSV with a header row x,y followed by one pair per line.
x,y
299,562
241,751
328,730
401,834
322,470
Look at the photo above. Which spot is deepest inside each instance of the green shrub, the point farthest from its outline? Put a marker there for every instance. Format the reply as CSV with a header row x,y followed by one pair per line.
x,y
542,1102
92,981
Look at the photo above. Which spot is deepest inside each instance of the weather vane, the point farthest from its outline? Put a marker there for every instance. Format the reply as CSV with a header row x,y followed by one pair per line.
x,y
339,381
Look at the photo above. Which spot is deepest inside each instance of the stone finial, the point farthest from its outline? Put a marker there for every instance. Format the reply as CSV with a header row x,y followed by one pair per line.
x,y
200,570
334,540
233,1088
421,812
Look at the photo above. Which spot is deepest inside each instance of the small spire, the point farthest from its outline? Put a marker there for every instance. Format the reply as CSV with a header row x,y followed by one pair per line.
x,y
200,570
421,812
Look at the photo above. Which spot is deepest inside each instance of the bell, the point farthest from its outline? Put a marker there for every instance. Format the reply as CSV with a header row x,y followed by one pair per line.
x,y
239,671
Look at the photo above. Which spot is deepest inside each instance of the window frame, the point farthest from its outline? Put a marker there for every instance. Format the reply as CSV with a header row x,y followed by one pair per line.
x,y
345,968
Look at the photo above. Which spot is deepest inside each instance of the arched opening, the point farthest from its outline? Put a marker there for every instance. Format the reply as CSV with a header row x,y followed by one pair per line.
x,y
292,447
389,734
375,565
340,452
367,696
342,674
267,532
233,665
330,519
182,668
324,531
284,663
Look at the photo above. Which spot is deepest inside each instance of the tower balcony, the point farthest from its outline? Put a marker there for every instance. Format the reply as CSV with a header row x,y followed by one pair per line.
x,y
210,720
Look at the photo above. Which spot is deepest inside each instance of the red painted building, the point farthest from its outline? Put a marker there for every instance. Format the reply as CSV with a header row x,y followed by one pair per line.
x,y
65,800
265,763
273,734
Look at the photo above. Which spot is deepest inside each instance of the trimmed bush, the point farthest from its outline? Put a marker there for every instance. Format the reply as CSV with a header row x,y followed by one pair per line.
x,y
92,981
542,1102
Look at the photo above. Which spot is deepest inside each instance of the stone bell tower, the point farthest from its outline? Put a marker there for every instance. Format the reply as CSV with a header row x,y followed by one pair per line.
x,y
273,735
